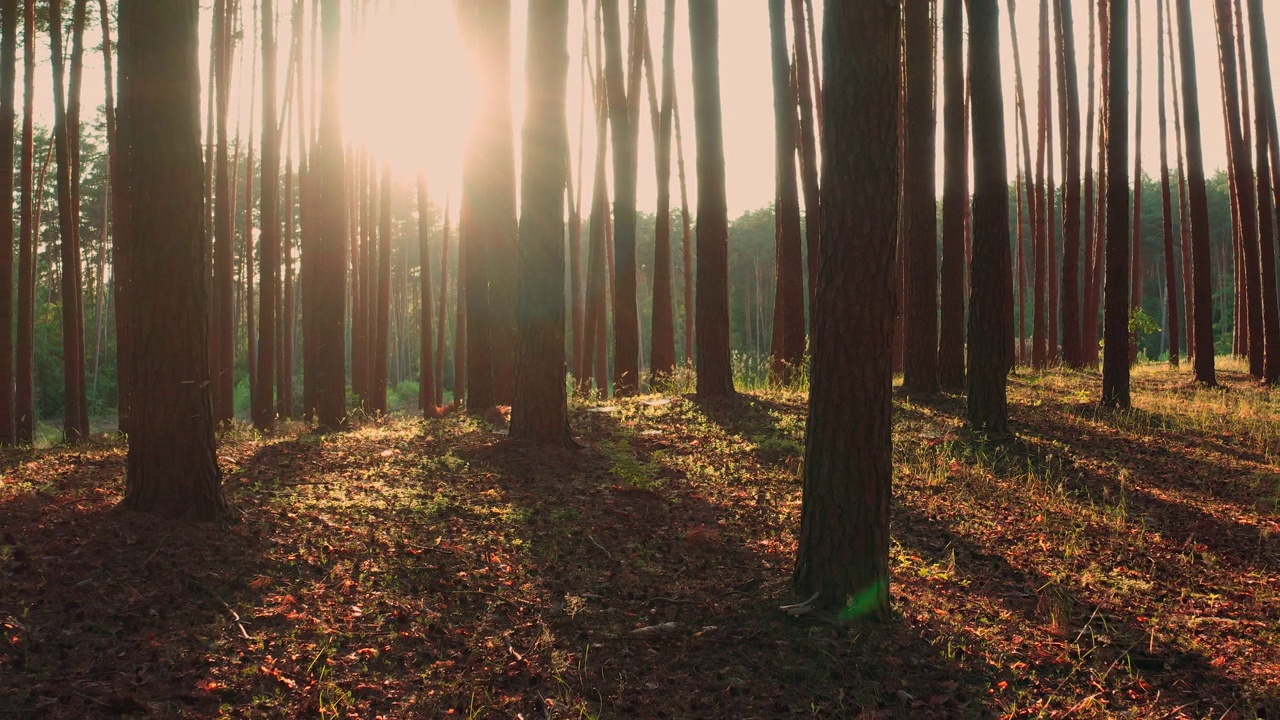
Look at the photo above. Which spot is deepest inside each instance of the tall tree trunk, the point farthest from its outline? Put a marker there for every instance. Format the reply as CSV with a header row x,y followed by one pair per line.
x,y
223,330
593,334
382,305
1088,340
68,221
1115,363
787,351
1021,183
24,395
1166,198
919,212
1071,196
663,358
264,406
540,411
843,558
715,371
460,329
686,241
362,281
1246,197
251,333
172,464
1138,276
331,220
1034,205
1043,214
427,398
988,364
441,320
955,198
8,81
1051,245
808,144
287,315
1268,154
626,334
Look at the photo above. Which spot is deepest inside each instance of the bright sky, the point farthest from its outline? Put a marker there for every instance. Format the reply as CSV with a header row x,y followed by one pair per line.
x,y
408,88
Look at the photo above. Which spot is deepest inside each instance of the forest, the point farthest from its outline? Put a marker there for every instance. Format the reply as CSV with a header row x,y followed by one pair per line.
x,y
639,358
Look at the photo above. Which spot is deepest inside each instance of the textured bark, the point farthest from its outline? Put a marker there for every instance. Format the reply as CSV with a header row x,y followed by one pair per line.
x,y
1088,342
1071,196
427,398
626,335
1166,198
380,332
1136,262
844,534
331,221
919,212
787,347
663,356
988,366
686,241
24,392
264,406
172,464
1246,194
595,296
540,411
1115,362
1268,157
68,223
1043,215
808,143
715,371
955,198
1093,295
75,80
8,81
1033,201
223,287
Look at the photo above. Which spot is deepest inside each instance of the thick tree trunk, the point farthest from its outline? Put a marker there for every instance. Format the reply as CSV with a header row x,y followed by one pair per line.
x,y
955,199
264,406
1166,199
172,464
593,333
1246,197
331,220
843,556
540,411
8,82
988,365
1268,154
1115,363
919,212
1071,200
663,358
787,347
715,370
223,326
626,336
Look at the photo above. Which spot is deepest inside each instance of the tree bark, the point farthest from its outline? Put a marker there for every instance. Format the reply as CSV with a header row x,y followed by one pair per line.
x,y
1087,348
1268,154
264,406
1115,363
955,198
382,305
172,464
663,358
1071,199
427,398
8,81
1166,198
441,320
787,351
1136,263
919,212
988,365
714,368
540,411
24,394
331,219
843,556
808,143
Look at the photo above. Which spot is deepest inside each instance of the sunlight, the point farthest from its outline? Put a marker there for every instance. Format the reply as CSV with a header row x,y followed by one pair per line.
x,y
409,92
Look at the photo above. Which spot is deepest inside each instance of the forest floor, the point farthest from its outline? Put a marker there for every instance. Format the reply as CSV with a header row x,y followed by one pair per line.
x,y
1102,564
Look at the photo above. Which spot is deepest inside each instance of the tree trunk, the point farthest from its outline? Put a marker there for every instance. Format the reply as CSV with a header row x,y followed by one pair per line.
x,y
955,198
382,305
287,334
715,371
427,398
593,334
626,334
223,329
988,365
663,358
172,464
8,81
1166,199
686,241
808,144
1043,215
540,411
264,406
843,557
919,212
1246,196
1034,204
1268,154
24,395
1138,276
1071,200
69,222
331,220
1088,339
444,296
1115,364
787,351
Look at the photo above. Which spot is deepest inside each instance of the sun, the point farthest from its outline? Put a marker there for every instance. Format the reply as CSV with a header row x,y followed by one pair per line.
x,y
409,92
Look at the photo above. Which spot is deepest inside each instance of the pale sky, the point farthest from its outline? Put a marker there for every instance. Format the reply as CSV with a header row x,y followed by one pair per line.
x,y
408,89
